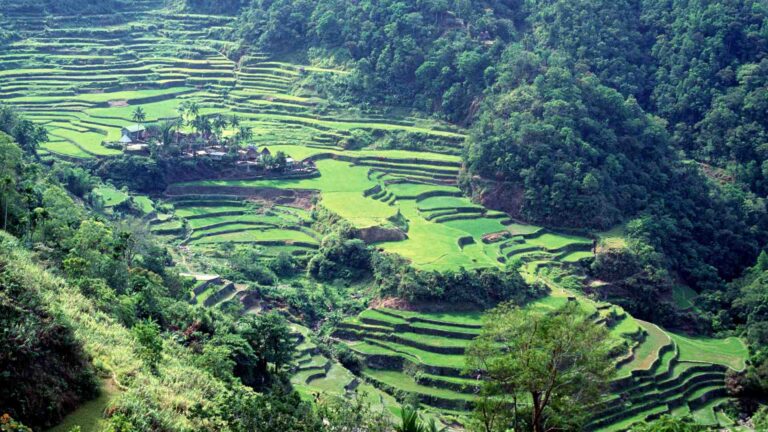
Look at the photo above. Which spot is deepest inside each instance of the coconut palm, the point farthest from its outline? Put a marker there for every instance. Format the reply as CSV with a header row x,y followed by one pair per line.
x,y
139,116
244,133
193,109
219,125
167,132
182,110
202,125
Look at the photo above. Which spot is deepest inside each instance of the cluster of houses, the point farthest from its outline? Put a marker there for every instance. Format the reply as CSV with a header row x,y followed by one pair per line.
x,y
252,156
135,140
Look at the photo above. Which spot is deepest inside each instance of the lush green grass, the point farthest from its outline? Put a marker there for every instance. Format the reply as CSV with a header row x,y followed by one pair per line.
x,y
89,416
65,148
334,381
405,382
731,352
287,236
341,186
577,256
88,141
429,358
111,196
477,227
557,241
440,202
232,226
154,111
127,95
186,212
203,222
435,246
471,318
613,238
144,203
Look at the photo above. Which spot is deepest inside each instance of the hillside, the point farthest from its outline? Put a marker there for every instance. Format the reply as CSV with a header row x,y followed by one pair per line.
x,y
297,215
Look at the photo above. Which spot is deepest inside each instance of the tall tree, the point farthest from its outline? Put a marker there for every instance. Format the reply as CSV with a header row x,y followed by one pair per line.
x,y
553,365
219,125
271,340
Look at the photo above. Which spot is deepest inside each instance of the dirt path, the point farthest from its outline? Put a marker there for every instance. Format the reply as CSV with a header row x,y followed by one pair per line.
x,y
90,416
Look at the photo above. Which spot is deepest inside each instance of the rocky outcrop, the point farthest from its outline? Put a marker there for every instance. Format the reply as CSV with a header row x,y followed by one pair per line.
x,y
296,197
380,234
496,195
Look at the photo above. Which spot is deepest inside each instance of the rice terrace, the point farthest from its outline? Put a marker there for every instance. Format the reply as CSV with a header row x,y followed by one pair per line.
x,y
259,168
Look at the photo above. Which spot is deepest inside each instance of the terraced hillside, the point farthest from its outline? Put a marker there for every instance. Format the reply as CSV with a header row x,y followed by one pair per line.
x,y
313,373
420,355
83,83
204,223
416,193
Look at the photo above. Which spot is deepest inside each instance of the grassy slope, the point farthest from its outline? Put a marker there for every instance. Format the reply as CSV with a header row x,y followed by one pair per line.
x,y
176,388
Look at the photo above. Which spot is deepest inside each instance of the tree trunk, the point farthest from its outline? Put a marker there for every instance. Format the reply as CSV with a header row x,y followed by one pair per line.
x,y
536,421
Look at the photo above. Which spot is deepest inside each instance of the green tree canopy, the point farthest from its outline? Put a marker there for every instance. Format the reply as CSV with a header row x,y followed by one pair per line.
x,y
549,368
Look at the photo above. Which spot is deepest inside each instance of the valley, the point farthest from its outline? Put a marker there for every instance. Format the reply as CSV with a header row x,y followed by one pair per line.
x,y
396,176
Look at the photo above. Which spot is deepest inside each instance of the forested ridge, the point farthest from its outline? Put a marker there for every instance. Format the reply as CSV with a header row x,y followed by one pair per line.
x,y
594,110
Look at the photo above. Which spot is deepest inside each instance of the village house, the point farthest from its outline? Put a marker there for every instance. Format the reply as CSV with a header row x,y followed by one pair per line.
x,y
251,154
217,155
133,134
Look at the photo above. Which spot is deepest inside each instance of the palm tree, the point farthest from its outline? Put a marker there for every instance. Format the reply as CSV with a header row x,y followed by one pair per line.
x,y
193,109
139,116
244,133
167,132
219,125
182,110
202,126
234,122
411,421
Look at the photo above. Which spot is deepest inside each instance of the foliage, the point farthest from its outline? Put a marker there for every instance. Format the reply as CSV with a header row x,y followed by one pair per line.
x,y
559,361
45,373
742,306
760,419
246,266
411,421
573,146
150,345
482,287
340,258
27,134
428,54
669,423
8,424
141,174
270,339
